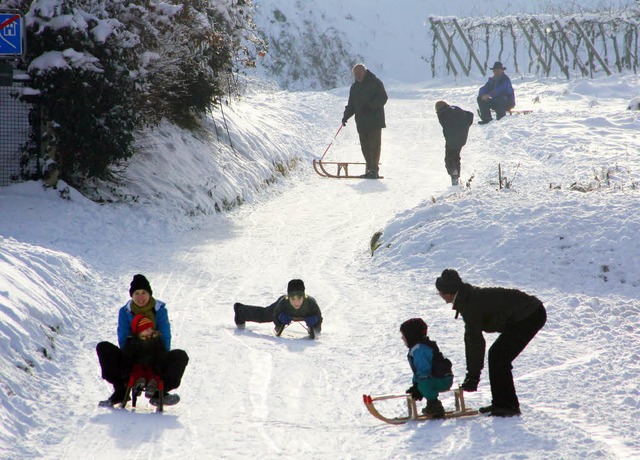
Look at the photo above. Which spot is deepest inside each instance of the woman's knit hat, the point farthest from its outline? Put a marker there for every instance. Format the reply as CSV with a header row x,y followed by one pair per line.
x,y
449,282
140,323
414,330
140,282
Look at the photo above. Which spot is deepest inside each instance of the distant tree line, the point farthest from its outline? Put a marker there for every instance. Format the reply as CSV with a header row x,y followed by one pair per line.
x,y
106,69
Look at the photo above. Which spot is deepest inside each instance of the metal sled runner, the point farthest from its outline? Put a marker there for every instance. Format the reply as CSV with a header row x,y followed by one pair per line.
x,y
412,411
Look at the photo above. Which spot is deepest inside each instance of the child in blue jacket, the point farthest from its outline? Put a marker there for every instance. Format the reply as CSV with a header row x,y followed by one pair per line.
x,y
431,370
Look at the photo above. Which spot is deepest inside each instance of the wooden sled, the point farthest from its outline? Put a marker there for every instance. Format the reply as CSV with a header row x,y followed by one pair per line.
x,y
412,411
342,169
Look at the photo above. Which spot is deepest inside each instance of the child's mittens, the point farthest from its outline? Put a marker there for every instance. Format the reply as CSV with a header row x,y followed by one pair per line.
x,y
284,318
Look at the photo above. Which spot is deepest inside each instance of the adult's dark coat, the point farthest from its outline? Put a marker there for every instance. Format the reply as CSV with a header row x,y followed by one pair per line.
x,y
489,310
366,102
455,125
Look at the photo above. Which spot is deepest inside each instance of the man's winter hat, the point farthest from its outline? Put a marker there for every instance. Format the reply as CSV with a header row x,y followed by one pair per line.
x,y
449,282
441,104
413,330
140,323
498,65
295,287
140,282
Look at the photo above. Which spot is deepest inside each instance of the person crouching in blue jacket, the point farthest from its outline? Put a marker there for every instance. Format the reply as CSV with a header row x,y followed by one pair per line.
x,y
431,370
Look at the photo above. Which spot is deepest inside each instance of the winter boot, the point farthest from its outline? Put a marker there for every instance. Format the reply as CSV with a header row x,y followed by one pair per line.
x,y
151,388
138,387
119,393
434,409
279,328
486,409
497,411
454,177
237,318
168,399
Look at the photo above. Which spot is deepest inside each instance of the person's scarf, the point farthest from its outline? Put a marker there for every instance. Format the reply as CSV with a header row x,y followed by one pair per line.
x,y
147,310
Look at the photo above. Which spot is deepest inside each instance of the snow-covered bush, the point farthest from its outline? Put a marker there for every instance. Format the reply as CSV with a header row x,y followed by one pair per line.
x,y
107,69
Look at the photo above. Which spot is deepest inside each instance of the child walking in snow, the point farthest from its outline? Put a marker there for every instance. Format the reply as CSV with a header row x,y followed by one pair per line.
x,y
431,370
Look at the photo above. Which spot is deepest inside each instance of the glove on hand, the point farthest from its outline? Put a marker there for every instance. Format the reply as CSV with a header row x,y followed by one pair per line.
x,y
284,318
344,122
414,392
311,320
471,382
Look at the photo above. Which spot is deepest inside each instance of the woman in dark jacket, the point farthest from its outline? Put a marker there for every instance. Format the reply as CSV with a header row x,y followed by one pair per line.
x,y
517,316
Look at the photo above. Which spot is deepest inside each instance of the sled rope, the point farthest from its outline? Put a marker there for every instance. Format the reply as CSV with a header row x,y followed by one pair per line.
x,y
331,143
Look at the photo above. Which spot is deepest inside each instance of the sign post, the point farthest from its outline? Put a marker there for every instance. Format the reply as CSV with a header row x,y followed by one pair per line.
x,y
11,35
11,44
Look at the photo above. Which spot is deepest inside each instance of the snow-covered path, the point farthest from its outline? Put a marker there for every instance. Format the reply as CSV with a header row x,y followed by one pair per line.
x,y
251,391
248,393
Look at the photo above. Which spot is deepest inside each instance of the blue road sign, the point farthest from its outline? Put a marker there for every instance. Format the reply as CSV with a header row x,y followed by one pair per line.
x,y
10,34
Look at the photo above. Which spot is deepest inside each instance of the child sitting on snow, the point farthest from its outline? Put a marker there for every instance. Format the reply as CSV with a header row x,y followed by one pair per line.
x,y
431,370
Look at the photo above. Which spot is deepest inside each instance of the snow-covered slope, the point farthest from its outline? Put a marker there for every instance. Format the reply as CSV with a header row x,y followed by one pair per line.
x,y
65,268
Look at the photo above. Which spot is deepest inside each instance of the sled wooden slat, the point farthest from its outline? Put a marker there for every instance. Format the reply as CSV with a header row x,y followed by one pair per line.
x,y
342,169
412,411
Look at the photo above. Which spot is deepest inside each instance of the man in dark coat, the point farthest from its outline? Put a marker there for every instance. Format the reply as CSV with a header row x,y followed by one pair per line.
x,y
496,94
367,98
455,124
516,315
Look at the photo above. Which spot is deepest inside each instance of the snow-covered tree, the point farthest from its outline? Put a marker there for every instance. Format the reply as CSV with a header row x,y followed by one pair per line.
x,y
106,68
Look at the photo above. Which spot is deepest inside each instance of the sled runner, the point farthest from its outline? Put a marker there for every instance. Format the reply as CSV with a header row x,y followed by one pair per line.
x,y
412,411
312,331
341,167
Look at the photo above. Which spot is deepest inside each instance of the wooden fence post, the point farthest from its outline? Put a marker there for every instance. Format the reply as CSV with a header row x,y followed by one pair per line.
x,y
574,50
472,53
590,45
562,65
453,48
444,47
534,47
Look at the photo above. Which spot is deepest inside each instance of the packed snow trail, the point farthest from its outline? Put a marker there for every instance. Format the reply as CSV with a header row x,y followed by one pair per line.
x,y
248,393
251,389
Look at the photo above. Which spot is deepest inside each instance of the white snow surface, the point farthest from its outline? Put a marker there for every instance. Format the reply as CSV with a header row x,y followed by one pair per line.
x,y
66,264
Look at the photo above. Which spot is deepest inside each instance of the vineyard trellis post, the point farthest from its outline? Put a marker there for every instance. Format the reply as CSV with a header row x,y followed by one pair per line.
x,y
538,44
589,44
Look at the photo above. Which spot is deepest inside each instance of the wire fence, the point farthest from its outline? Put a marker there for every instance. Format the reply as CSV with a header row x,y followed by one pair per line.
x,y
14,135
